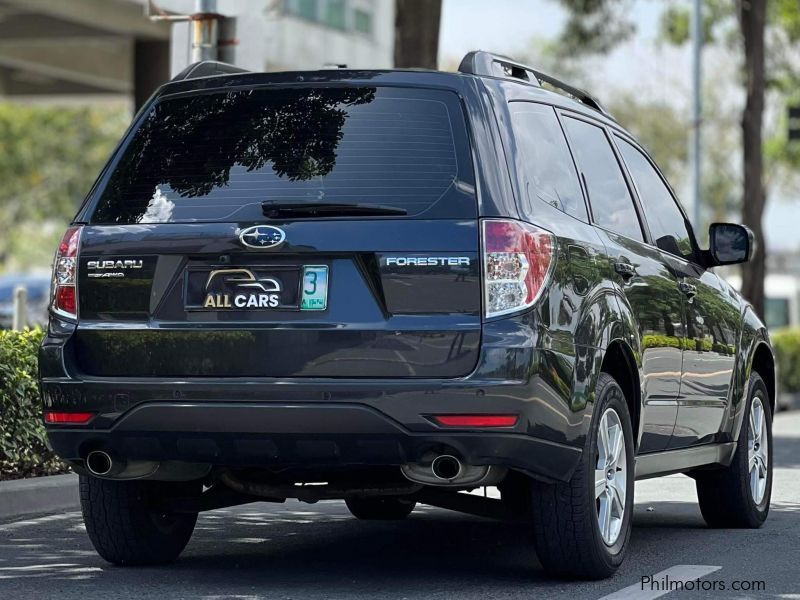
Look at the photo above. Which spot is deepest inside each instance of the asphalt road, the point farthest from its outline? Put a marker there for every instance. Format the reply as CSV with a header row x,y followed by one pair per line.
x,y
319,551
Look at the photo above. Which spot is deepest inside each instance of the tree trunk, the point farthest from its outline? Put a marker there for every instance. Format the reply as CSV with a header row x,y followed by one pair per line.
x,y
752,19
416,33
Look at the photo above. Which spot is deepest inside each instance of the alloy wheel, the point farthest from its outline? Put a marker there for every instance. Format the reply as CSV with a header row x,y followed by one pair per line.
x,y
610,476
757,451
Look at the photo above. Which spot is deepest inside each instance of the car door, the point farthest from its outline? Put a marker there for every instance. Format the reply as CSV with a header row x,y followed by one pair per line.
x,y
709,357
646,279
709,342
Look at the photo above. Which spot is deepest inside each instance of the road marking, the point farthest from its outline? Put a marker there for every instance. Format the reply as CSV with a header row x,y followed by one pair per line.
x,y
38,521
662,583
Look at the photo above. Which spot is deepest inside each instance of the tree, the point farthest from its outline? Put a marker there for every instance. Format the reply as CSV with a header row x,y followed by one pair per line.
x,y
753,20
767,31
782,155
416,33
49,157
595,26
659,127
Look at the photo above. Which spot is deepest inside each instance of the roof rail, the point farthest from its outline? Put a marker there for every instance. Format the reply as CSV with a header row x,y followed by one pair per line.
x,y
207,68
488,64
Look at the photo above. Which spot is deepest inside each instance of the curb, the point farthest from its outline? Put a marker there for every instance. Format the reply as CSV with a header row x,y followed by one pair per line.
x,y
38,495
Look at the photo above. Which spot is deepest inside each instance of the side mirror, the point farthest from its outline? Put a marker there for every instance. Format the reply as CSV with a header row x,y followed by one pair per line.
x,y
731,244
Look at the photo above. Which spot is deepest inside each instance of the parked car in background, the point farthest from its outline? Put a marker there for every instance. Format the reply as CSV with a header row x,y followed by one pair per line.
x,y
38,295
782,299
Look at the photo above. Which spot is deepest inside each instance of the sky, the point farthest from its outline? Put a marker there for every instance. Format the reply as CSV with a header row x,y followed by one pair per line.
x,y
644,64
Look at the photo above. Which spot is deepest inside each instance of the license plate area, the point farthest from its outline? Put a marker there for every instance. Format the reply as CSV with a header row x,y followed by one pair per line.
x,y
228,288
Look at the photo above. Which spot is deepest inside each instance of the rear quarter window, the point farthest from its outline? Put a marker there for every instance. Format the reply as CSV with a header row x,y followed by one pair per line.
x,y
217,156
544,158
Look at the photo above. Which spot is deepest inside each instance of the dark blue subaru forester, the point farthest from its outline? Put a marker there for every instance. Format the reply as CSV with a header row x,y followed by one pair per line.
x,y
397,286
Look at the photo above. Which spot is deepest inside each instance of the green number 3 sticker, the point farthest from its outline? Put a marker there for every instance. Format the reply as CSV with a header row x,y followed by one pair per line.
x,y
315,288
311,282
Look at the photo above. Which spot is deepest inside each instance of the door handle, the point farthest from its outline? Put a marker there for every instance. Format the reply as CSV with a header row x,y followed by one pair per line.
x,y
688,289
626,270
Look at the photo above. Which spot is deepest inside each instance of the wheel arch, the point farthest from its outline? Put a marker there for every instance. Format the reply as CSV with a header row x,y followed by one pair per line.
x,y
755,354
622,355
763,363
620,362
607,333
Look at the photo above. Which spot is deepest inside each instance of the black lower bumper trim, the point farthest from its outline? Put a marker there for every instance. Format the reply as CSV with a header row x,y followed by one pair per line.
x,y
302,436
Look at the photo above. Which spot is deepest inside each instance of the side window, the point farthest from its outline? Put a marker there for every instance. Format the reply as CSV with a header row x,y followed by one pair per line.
x,y
546,162
612,204
664,218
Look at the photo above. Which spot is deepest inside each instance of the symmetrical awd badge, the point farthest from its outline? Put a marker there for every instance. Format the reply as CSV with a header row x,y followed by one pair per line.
x,y
262,237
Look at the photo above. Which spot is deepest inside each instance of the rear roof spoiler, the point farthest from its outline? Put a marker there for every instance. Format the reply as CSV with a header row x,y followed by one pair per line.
x,y
487,64
208,68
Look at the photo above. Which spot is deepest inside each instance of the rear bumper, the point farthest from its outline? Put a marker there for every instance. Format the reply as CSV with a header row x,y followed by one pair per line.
x,y
307,435
334,422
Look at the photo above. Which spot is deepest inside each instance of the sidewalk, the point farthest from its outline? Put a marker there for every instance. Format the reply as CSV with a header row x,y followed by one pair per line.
x,y
38,495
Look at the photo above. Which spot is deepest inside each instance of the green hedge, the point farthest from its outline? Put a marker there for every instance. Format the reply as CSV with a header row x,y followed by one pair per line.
x,y
787,350
23,452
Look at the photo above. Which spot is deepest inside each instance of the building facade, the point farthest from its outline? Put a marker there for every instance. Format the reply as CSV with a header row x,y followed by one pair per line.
x,y
95,48
279,35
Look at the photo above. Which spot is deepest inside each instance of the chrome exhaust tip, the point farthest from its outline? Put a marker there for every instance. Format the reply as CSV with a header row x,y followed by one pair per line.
x,y
446,470
446,467
101,464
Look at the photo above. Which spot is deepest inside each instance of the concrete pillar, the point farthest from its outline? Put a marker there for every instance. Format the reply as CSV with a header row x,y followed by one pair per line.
x,y
20,318
151,68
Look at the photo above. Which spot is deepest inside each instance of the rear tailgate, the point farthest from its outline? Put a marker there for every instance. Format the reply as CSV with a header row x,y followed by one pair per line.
x,y
182,273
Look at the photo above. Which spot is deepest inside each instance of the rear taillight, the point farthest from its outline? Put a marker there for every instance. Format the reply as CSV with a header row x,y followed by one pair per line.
x,y
65,275
516,263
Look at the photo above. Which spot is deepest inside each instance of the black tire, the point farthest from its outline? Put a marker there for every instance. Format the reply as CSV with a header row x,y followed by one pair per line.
x,y
567,534
379,508
724,494
124,531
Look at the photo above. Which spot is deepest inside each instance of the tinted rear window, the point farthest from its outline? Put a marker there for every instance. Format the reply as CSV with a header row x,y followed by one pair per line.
x,y
546,162
217,156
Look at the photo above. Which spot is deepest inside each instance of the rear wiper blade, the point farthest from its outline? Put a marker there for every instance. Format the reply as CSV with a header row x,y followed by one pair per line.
x,y
277,210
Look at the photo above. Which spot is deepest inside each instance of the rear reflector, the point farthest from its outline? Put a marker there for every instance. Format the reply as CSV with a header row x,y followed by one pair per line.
x,y
516,263
73,418
476,420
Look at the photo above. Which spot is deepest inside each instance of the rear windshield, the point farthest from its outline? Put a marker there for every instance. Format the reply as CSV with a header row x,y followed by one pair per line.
x,y
218,156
